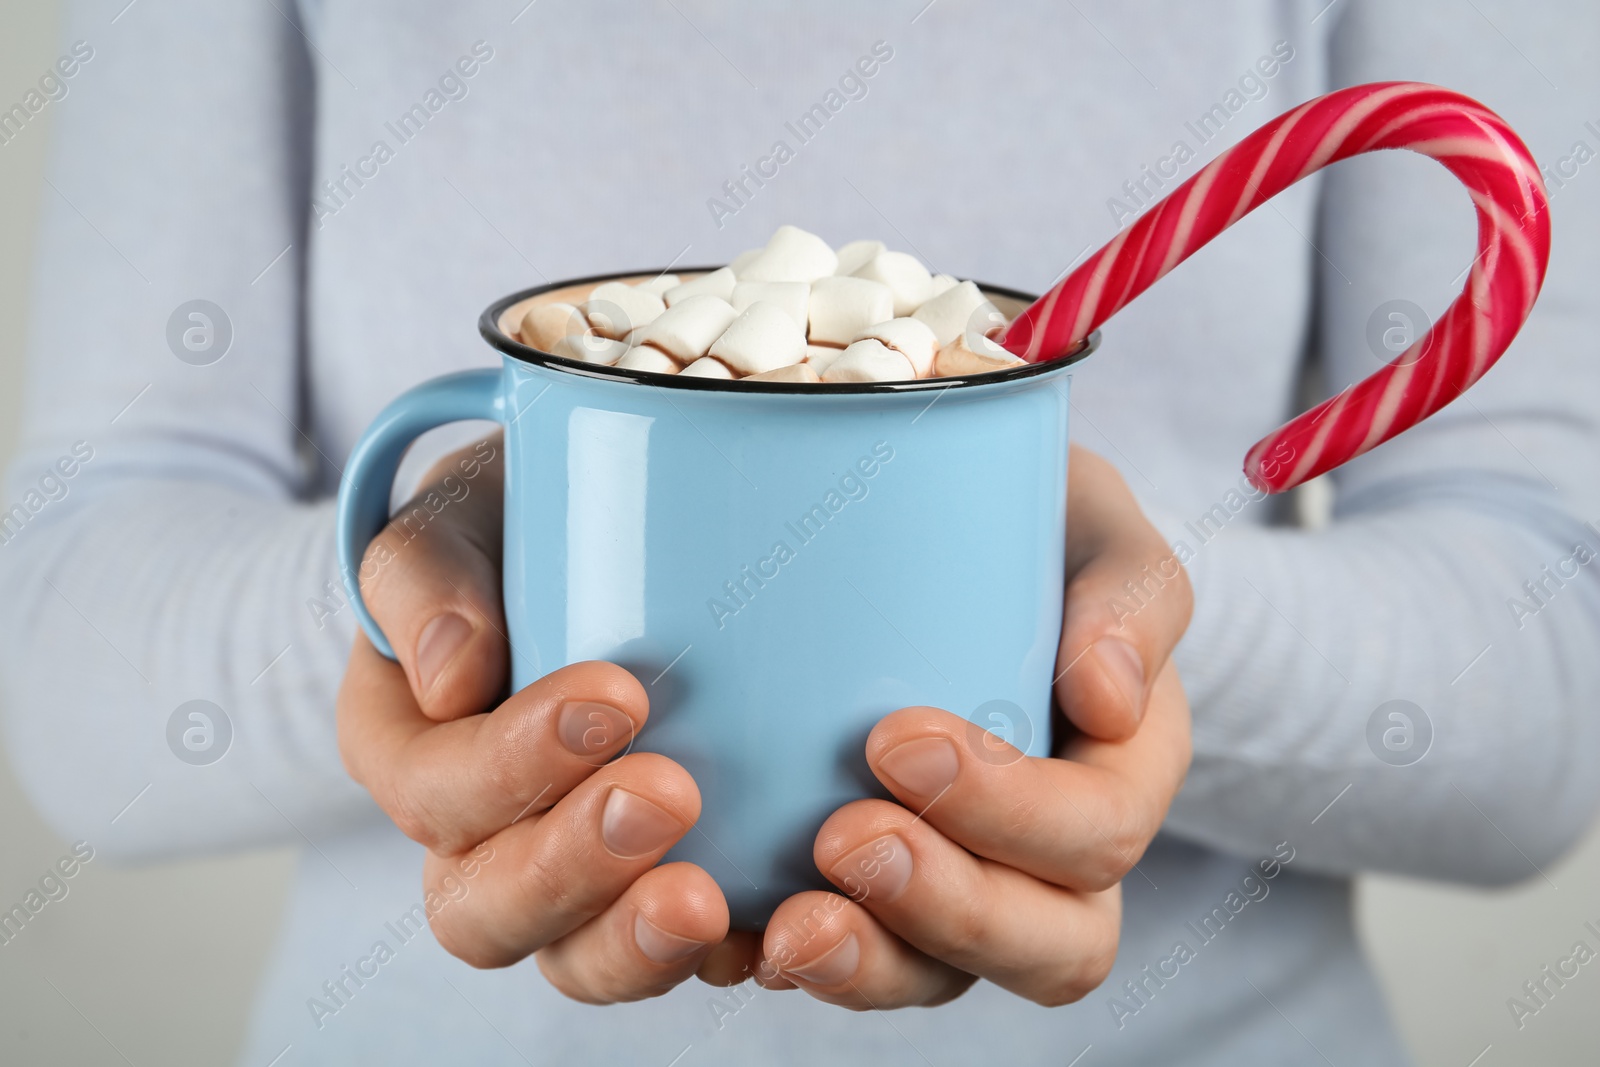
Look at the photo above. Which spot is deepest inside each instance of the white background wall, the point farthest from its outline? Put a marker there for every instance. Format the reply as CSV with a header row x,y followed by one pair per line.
x,y
157,965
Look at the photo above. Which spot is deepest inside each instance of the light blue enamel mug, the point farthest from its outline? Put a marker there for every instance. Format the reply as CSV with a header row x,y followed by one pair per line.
x,y
780,564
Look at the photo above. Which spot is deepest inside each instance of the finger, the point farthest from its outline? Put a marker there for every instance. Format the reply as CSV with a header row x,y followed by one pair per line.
x,y
1079,824
1128,603
554,872
738,960
835,950
451,785
1038,940
653,937
431,579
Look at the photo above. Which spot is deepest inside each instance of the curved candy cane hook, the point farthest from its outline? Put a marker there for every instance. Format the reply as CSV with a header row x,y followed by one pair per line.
x,y
1474,143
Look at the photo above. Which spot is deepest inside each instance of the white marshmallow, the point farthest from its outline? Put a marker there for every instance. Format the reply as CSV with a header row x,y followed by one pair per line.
x,y
857,254
647,358
950,312
614,308
905,276
686,330
718,283
870,361
793,297
842,307
798,373
659,284
909,337
590,348
942,283
545,324
792,255
742,260
706,367
764,337
820,357
986,322
959,357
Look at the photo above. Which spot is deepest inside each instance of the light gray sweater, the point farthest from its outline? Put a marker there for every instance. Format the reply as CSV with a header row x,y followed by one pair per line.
x,y
188,556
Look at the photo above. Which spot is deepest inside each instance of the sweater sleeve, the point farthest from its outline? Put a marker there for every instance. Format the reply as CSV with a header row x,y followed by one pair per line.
x,y
1459,573
181,558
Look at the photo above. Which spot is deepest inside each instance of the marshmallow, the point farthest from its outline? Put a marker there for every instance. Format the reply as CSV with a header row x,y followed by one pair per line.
x,y
986,323
842,307
978,357
646,358
659,284
589,347
941,283
870,361
799,373
819,357
614,308
793,255
793,297
545,324
718,283
686,330
857,254
906,278
764,337
706,367
950,312
742,260
909,337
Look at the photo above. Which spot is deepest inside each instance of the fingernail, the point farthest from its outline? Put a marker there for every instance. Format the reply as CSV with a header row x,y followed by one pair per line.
x,y
1125,668
589,728
441,639
659,946
879,869
632,826
925,766
833,966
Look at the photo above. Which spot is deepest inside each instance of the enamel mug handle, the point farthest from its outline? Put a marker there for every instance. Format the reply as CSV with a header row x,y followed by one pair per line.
x,y
369,475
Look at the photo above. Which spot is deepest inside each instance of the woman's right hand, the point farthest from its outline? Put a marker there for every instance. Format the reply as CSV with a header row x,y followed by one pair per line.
x,y
543,835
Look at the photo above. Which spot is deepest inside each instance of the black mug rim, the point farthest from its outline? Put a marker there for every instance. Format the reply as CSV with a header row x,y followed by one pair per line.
x,y
489,328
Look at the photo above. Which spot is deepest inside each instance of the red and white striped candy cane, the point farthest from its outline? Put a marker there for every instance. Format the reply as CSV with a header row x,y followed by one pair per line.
x,y
1513,250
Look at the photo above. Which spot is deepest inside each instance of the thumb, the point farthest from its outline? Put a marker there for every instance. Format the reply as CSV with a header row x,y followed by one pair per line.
x,y
431,579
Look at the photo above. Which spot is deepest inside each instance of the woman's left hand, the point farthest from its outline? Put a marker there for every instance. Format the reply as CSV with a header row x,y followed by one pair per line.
x,y
997,865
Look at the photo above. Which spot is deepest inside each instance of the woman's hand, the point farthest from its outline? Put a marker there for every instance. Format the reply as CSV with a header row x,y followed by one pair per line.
x,y
996,865
536,843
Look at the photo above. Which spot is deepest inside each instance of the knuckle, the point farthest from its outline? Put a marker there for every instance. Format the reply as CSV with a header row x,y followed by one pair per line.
x,y
1078,981
1111,863
407,811
565,982
963,940
1023,817
506,764
547,887
473,951
1096,966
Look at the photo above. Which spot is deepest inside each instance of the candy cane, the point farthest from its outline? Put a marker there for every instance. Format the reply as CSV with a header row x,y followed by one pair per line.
x,y
1513,250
